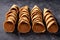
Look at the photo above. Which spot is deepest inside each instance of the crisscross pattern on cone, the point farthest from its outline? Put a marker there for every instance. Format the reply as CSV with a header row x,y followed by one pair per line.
x,y
50,21
24,19
11,18
37,20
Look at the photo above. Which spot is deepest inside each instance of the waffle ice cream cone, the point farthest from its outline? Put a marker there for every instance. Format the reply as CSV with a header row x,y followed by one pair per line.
x,y
24,19
37,20
10,19
50,21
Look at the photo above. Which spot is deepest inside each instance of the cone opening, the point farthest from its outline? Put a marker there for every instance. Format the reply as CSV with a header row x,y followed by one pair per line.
x,y
9,26
24,27
38,28
53,28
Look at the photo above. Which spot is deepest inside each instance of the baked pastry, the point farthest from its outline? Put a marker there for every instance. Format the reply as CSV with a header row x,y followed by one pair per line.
x,y
50,21
10,19
37,20
24,19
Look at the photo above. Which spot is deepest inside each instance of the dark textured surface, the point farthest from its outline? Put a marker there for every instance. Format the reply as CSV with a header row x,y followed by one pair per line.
x,y
6,4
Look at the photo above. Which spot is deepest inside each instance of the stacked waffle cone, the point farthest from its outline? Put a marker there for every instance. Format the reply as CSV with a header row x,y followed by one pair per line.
x,y
51,23
10,19
24,19
37,20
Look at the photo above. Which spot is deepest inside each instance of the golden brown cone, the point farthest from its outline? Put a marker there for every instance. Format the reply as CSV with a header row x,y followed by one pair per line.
x,y
24,19
51,23
37,24
10,19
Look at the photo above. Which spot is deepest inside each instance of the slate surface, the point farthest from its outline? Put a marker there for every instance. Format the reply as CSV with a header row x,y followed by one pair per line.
x,y
6,4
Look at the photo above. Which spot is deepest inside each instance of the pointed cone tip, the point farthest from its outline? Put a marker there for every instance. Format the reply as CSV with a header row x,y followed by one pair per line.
x,y
35,6
26,6
14,5
45,9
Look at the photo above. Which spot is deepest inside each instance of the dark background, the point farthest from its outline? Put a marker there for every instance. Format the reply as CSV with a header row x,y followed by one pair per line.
x,y
54,5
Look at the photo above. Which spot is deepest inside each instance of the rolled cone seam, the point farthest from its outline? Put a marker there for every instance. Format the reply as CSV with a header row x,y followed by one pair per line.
x,y
48,16
11,15
36,16
24,10
23,19
49,20
35,10
8,13
11,18
37,20
47,13
14,7
22,13
50,24
33,14
40,20
13,11
25,15
44,15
